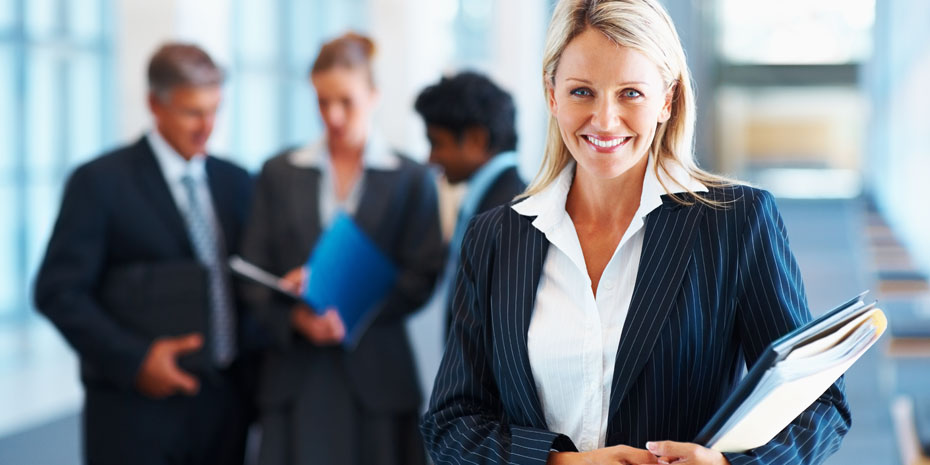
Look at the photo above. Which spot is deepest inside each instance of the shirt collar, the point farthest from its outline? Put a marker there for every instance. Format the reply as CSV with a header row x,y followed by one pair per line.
x,y
376,155
548,205
482,179
173,166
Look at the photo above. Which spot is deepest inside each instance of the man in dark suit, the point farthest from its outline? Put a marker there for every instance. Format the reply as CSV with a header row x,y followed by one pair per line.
x,y
134,277
470,127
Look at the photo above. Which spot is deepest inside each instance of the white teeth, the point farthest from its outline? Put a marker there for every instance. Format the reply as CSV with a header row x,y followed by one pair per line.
x,y
606,143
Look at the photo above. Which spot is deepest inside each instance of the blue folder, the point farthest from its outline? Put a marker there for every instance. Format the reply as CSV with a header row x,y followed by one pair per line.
x,y
350,273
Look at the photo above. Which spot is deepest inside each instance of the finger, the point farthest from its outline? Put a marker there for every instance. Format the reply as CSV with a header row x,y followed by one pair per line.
x,y
185,382
187,343
670,449
337,327
669,460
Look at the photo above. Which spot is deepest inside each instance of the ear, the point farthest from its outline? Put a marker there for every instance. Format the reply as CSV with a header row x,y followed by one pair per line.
x,y
475,141
550,99
666,111
156,105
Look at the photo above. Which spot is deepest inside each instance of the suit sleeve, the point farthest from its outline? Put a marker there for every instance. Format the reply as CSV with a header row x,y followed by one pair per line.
x,y
419,252
270,310
772,302
465,422
68,278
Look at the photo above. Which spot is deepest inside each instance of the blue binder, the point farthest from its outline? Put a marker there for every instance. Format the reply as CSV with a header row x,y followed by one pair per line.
x,y
350,273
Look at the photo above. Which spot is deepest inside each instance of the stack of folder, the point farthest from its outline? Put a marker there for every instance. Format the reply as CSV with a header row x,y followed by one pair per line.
x,y
791,374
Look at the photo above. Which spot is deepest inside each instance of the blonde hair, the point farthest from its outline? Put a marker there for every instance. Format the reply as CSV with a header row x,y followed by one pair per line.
x,y
644,26
350,51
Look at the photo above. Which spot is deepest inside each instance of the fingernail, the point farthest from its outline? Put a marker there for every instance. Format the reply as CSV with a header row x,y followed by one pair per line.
x,y
650,445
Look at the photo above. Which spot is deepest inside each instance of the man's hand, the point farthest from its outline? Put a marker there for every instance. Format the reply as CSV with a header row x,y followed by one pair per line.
x,y
321,330
160,375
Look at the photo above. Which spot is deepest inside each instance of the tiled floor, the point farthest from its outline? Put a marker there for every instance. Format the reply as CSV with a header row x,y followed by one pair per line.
x,y
828,240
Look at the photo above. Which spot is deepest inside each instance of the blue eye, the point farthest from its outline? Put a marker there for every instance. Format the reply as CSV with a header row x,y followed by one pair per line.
x,y
631,93
581,92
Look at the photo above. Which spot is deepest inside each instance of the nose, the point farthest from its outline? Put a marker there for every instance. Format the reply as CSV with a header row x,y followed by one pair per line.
x,y
333,116
606,114
206,121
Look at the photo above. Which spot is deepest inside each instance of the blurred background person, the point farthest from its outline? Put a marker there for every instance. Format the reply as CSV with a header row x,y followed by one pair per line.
x,y
470,125
321,403
143,236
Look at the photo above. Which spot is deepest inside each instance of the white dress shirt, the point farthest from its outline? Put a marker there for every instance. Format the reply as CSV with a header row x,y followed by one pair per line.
x,y
174,167
375,155
573,336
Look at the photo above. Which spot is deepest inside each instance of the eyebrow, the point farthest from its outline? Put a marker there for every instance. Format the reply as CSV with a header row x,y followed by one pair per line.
x,y
628,83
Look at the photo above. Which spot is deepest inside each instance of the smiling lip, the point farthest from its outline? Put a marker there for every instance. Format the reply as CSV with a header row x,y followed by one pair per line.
x,y
606,144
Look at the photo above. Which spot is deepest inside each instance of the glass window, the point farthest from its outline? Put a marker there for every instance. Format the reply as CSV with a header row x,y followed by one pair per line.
x,y
259,128
54,106
84,19
85,102
305,25
41,17
795,31
7,14
43,208
258,30
304,119
9,272
43,99
7,110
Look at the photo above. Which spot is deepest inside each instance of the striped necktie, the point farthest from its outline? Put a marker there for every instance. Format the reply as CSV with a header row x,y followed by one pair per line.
x,y
208,247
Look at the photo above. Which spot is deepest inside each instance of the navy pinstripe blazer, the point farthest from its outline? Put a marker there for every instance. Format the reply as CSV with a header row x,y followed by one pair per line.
x,y
715,286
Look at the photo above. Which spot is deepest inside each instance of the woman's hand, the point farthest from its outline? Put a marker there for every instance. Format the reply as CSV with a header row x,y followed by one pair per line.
x,y
322,330
613,455
685,453
295,280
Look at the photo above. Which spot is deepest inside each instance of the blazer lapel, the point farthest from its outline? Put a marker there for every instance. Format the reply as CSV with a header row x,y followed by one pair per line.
x,y
222,203
155,188
305,209
521,263
667,248
374,202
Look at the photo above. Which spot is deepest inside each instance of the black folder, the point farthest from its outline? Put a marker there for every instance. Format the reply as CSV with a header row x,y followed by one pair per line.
x,y
158,299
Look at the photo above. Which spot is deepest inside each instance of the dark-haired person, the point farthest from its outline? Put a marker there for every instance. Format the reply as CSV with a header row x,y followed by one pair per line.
x,y
147,224
470,127
321,403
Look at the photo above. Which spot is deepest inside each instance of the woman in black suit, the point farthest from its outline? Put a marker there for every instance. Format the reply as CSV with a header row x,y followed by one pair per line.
x,y
320,403
606,316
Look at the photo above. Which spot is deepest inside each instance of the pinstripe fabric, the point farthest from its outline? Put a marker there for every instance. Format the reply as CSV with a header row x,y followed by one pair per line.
x,y
714,288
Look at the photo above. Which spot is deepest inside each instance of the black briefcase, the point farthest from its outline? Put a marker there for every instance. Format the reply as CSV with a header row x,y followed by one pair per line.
x,y
158,299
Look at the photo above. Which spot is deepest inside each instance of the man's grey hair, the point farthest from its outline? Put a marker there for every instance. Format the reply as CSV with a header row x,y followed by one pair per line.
x,y
180,65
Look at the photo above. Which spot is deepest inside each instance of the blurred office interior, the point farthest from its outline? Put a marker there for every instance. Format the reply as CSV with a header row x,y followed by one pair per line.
x,y
824,103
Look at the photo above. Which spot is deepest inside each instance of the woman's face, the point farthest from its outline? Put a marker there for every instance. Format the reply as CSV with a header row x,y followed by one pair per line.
x,y
608,101
346,101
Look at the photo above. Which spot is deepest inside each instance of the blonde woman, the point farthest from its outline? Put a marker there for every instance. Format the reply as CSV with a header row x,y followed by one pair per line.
x,y
604,317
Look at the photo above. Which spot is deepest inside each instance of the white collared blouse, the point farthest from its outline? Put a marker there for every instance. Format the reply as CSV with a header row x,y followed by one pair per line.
x,y
573,336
